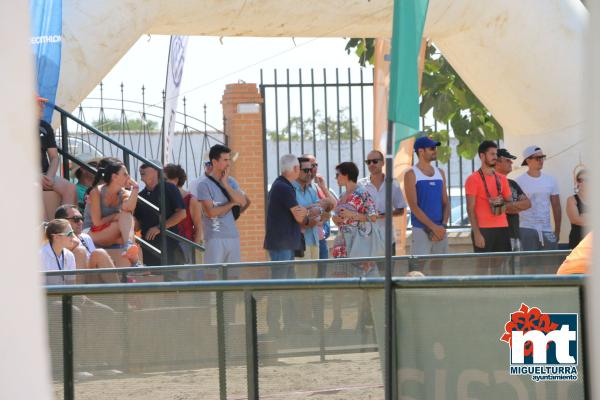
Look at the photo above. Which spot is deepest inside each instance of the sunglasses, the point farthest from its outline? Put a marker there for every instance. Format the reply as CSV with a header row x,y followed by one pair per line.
x,y
67,234
315,165
75,219
538,158
376,161
306,170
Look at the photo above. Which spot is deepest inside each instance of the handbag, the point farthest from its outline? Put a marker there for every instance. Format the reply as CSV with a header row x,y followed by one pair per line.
x,y
235,210
367,241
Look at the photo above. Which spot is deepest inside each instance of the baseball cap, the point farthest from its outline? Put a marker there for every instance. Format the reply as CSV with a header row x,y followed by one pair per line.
x,y
505,153
528,152
425,142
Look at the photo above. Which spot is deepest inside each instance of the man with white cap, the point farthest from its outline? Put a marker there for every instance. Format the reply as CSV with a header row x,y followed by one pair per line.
x,y
535,226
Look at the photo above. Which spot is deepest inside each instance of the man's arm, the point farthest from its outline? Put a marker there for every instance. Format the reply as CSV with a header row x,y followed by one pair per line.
x,y
479,240
516,207
557,213
212,212
445,201
54,162
178,216
246,205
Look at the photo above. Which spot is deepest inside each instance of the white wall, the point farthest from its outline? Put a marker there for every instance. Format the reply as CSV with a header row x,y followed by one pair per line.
x,y
24,364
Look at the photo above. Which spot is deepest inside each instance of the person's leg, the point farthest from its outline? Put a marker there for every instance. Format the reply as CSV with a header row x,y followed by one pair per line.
x,y
99,258
304,300
81,262
323,255
274,303
108,236
550,241
66,190
436,267
126,223
530,239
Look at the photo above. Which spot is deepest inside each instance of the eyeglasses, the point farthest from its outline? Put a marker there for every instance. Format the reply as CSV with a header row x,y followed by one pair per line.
x,y
538,158
369,162
306,170
315,165
75,219
67,234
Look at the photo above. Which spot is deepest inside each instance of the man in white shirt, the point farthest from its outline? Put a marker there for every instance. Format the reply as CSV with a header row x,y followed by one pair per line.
x,y
375,185
535,227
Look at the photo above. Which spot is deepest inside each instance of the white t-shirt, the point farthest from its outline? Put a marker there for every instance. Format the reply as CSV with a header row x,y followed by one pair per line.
x,y
64,262
87,242
538,190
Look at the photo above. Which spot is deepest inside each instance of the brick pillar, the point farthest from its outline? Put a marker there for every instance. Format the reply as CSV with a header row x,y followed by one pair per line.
x,y
244,129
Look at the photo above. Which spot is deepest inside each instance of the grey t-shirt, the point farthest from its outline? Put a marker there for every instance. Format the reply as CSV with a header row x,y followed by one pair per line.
x,y
222,227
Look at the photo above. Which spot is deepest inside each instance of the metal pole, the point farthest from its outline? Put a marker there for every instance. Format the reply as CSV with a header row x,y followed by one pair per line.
x,y
64,145
163,219
67,325
251,347
389,374
221,346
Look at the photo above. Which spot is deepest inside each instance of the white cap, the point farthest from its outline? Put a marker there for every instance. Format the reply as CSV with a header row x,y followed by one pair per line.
x,y
529,151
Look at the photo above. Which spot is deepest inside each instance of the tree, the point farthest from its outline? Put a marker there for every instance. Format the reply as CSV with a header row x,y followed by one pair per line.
x,y
324,128
448,98
114,124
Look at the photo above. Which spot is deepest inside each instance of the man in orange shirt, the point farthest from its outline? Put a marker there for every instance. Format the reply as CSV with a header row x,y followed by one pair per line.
x,y
487,196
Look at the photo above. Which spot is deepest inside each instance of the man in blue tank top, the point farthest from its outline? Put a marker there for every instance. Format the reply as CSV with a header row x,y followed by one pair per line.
x,y
425,187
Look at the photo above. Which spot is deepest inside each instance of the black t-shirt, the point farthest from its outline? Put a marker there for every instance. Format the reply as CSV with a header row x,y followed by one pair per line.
x,y
47,141
149,217
283,232
513,219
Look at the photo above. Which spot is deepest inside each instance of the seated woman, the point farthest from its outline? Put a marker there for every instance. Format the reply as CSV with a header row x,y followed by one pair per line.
x,y
55,254
576,209
109,209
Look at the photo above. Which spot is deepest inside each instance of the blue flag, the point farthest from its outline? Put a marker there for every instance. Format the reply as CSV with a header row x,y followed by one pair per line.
x,y
46,39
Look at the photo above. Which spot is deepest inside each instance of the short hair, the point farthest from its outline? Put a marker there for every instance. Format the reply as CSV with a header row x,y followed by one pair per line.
x,y
216,151
61,212
56,226
348,169
288,162
485,146
378,152
175,171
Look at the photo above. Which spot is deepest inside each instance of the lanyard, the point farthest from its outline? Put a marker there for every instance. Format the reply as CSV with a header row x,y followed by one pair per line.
x,y
62,255
85,245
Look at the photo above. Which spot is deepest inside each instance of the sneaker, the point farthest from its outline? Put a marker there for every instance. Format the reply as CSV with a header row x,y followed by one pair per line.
x,y
132,253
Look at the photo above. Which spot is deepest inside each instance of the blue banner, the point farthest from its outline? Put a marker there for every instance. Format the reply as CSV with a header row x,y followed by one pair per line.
x,y
46,39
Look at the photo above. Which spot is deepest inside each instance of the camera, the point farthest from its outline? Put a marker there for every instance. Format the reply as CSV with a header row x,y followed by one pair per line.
x,y
497,205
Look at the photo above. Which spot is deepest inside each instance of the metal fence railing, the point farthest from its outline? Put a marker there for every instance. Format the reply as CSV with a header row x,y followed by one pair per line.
x,y
214,340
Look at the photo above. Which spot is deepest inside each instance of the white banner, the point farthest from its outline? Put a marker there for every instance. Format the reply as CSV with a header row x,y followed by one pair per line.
x,y
174,74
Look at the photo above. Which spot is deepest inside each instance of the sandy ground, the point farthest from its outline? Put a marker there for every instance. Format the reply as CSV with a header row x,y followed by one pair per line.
x,y
347,377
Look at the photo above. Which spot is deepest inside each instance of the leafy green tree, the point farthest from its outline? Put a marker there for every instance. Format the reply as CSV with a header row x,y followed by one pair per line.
x,y
324,128
449,100
114,124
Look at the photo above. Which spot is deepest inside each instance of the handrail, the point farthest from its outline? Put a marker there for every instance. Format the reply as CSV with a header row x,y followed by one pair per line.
x,y
259,264
126,153
326,283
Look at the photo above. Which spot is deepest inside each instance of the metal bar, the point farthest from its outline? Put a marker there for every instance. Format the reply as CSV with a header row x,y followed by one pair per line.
x,y
301,113
67,331
64,132
330,283
350,117
301,262
337,96
314,117
221,346
362,119
251,347
389,373
276,122
293,85
163,218
326,129
289,125
460,181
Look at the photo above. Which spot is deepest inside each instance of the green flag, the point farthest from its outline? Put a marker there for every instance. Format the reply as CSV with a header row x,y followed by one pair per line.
x,y
407,34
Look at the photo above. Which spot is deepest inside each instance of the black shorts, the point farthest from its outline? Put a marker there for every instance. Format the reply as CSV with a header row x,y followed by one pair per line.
x,y
496,240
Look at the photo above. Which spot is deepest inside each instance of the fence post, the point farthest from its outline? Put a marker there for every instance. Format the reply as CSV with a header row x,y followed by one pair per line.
x,y
67,325
64,131
221,346
251,346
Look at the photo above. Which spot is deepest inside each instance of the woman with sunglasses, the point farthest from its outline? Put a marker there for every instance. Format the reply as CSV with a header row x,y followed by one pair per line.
x,y
355,216
109,207
55,254
576,209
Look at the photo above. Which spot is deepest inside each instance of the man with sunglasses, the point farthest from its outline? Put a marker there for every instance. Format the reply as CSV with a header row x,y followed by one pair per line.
x,y
535,226
375,185
85,252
